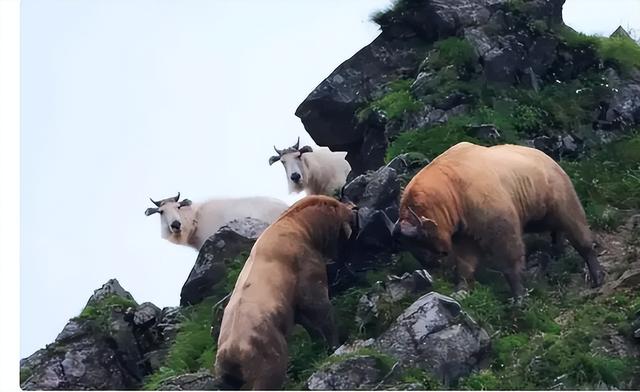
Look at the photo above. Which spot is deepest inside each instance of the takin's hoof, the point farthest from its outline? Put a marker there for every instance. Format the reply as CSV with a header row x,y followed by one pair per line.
x,y
598,280
459,295
516,302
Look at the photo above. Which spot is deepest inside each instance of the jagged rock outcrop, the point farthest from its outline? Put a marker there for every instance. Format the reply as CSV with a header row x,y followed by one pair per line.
x,y
360,372
376,194
113,344
210,268
433,334
514,44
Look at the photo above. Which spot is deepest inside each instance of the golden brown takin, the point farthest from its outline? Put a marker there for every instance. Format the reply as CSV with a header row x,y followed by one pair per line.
x,y
474,203
283,282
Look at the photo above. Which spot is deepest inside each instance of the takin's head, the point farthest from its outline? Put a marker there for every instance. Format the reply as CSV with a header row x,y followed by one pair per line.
x,y
413,230
176,221
292,162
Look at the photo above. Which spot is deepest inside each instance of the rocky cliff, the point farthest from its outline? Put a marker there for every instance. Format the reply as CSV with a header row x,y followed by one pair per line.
x,y
440,72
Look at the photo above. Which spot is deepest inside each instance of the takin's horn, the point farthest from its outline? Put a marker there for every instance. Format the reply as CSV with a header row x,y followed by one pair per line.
x,y
414,214
177,198
297,145
278,151
157,203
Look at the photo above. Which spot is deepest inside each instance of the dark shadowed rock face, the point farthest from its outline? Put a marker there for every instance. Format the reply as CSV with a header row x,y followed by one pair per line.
x,y
515,44
210,269
328,112
376,194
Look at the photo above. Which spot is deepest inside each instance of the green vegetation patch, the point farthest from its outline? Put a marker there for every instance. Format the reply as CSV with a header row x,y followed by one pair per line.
x,y
395,104
623,53
305,355
608,180
193,348
453,51
99,313
25,373
620,52
532,351
419,376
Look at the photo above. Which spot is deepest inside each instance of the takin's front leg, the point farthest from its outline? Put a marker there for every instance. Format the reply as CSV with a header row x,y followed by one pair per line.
x,y
315,313
511,252
464,256
502,237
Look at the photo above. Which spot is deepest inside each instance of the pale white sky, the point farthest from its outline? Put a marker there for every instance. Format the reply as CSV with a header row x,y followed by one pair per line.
x,y
126,99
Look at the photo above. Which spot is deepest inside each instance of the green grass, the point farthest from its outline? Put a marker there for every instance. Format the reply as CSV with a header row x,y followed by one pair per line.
x,y
384,362
532,351
484,380
419,376
390,15
305,355
234,267
608,181
395,104
620,52
193,348
25,373
453,51
100,312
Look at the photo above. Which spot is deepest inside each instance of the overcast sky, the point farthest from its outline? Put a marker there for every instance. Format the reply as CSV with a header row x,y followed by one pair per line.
x,y
126,99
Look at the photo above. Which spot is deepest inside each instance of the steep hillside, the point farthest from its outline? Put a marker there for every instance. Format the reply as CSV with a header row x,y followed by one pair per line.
x,y
440,72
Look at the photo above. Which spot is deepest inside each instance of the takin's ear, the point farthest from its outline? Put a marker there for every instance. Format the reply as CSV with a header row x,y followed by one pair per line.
x,y
305,149
273,159
429,225
150,211
185,203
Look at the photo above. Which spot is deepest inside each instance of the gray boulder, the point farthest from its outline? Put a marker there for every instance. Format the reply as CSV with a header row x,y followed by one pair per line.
x,y
210,267
98,350
328,112
376,194
360,372
434,334
113,344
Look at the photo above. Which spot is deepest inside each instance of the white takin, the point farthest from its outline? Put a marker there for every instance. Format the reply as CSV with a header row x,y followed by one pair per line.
x,y
319,172
190,224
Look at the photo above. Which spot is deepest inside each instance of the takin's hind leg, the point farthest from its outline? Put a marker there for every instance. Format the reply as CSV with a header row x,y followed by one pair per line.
x,y
581,238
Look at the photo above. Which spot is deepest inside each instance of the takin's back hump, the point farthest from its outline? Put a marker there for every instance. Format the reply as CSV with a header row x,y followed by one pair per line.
x,y
495,177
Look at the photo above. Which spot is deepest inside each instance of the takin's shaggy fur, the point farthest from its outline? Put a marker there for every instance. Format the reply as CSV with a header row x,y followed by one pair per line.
x,y
283,282
317,172
475,201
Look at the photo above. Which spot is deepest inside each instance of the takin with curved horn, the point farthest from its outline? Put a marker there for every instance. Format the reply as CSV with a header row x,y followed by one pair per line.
x,y
317,172
190,224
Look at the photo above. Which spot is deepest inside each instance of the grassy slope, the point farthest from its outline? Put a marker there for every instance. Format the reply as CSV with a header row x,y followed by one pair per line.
x,y
558,339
